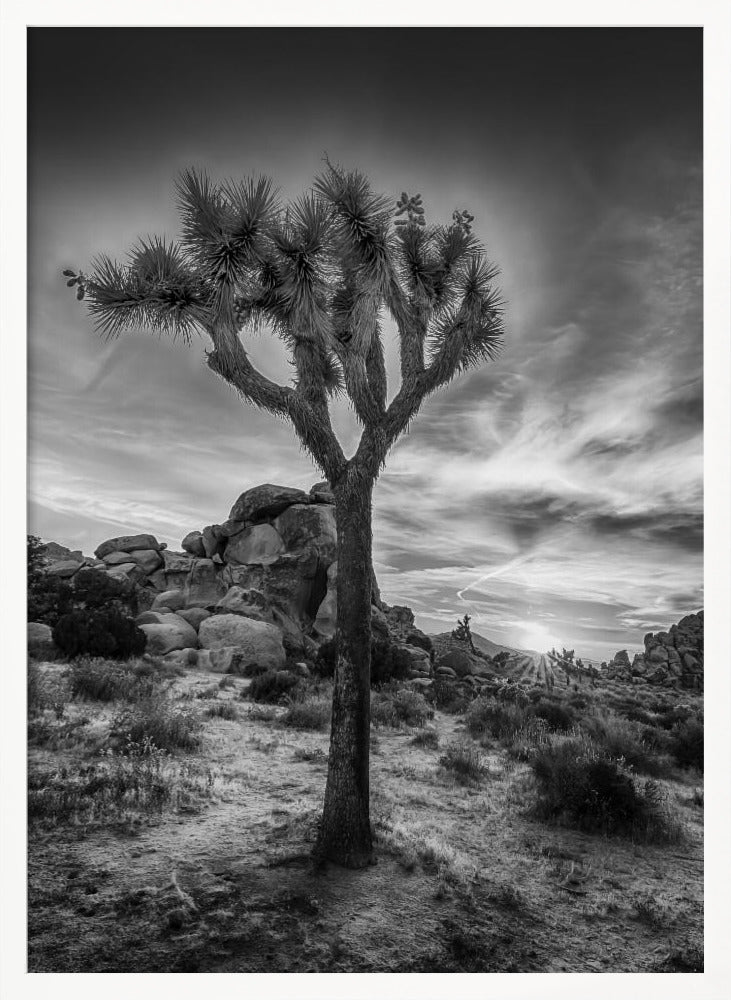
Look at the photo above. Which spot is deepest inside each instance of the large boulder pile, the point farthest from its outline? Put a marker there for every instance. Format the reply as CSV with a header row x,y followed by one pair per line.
x,y
671,659
268,573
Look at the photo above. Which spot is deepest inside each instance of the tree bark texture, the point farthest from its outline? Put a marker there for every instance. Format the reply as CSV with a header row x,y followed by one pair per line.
x,y
345,830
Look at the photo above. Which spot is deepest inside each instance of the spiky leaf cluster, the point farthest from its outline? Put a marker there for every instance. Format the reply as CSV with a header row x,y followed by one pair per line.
x,y
320,271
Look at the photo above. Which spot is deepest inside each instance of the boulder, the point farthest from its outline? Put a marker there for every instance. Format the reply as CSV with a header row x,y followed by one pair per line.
x,y
312,525
157,580
264,502
260,543
194,616
420,683
294,583
153,617
53,552
203,587
127,571
257,642
177,563
214,542
379,623
657,675
127,543
321,493
148,560
182,657
64,569
117,558
459,662
172,599
172,633
621,658
40,641
238,601
226,660
445,672
193,543
658,654
327,613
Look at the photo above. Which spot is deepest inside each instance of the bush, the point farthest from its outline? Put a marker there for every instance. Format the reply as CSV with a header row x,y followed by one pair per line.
x,y
445,696
94,589
557,717
271,687
582,784
95,679
488,717
140,778
397,707
46,691
623,739
465,763
429,739
686,743
222,710
105,632
48,596
249,670
388,661
157,720
310,712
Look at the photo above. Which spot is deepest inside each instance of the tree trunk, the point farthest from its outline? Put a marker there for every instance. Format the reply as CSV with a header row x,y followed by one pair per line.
x,y
345,830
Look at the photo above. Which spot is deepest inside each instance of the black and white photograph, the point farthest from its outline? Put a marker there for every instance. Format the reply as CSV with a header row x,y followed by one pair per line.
x,y
366,504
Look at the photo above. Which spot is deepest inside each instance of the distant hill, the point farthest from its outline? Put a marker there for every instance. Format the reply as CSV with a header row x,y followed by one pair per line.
x,y
491,648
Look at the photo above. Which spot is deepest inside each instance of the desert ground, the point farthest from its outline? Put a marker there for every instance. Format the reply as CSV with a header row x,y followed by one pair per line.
x,y
198,859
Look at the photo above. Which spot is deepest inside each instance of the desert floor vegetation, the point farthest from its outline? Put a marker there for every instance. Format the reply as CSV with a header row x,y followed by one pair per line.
x,y
172,819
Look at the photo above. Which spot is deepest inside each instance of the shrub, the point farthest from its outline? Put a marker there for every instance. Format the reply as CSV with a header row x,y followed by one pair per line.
x,y
488,717
48,596
157,720
46,691
388,661
95,589
686,743
580,783
226,682
250,670
138,778
399,706
446,697
222,710
559,717
623,739
310,712
106,632
429,739
464,762
96,679
271,686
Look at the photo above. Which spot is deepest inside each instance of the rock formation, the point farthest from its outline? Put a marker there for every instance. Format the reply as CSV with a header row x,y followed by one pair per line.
x,y
672,659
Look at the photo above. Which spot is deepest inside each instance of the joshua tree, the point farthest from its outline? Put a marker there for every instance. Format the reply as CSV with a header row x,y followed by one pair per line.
x,y
322,273
463,632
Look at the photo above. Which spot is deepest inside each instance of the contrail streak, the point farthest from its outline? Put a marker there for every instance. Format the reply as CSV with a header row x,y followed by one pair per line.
x,y
518,561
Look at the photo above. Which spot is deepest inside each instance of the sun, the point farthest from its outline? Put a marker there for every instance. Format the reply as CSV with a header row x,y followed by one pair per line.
x,y
534,635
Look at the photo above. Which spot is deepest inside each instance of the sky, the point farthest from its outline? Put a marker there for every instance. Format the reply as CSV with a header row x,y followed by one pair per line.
x,y
556,495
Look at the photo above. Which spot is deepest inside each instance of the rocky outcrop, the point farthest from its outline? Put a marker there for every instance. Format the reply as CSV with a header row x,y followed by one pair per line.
x,y
673,658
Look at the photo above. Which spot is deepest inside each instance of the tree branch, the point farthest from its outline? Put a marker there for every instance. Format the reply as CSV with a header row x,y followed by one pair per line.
x,y
311,423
